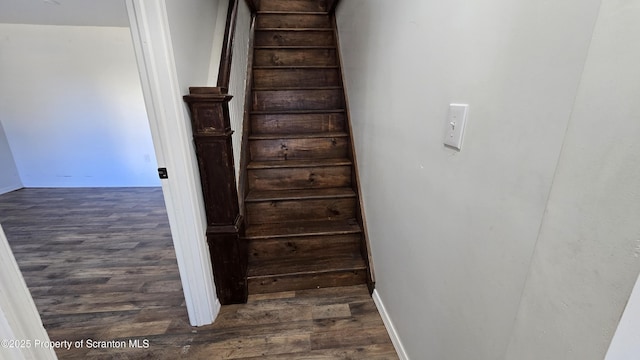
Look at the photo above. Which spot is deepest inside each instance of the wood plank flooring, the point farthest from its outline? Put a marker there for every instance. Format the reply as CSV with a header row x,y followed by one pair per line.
x,y
100,265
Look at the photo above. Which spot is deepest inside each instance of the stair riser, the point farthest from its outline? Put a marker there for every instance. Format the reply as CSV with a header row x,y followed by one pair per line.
x,y
266,78
306,246
295,57
292,21
298,100
298,149
300,210
300,178
305,281
293,38
292,5
297,123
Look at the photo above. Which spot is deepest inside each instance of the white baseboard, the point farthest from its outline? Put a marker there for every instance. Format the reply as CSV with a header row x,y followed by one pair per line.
x,y
8,189
393,334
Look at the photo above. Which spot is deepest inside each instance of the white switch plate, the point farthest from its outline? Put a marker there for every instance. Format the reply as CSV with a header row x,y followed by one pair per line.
x,y
456,120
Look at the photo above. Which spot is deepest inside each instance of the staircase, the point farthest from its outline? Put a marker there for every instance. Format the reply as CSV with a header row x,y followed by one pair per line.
x,y
304,224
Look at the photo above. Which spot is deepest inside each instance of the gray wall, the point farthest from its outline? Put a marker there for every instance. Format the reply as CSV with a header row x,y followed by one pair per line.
x,y
586,258
520,246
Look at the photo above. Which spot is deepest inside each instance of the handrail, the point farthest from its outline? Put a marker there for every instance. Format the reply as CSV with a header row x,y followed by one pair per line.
x,y
224,72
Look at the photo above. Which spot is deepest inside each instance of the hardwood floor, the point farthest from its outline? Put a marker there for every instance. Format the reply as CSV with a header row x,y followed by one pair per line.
x,y
100,266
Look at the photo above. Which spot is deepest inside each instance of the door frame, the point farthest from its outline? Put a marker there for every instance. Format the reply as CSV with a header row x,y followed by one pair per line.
x,y
171,133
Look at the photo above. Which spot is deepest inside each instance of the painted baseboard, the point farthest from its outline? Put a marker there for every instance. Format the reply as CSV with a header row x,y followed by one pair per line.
x,y
9,189
393,334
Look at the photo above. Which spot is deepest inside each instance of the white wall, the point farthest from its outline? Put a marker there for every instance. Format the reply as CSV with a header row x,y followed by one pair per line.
x,y
587,256
192,33
72,107
464,225
9,177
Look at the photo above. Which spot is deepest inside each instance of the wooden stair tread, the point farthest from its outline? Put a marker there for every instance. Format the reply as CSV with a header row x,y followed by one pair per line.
x,y
302,228
292,5
284,12
310,111
301,206
290,88
298,136
293,47
275,164
299,194
294,29
302,266
268,67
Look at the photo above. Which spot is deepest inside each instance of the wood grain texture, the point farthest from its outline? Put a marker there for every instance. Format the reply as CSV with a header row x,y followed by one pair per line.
x,y
293,5
330,147
296,77
304,247
100,265
300,210
293,20
285,100
318,176
301,171
214,151
304,37
298,123
295,57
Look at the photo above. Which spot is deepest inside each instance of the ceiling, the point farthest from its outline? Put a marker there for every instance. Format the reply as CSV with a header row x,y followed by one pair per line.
x,y
64,12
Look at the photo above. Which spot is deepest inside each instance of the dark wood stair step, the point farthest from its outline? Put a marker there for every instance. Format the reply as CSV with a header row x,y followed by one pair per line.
x,y
287,100
277,164
301,146
303,228
297,123
304,239
292,5
286,12
293,112
294,37
304,266
296,88
299,194
295,29
305,273
304,246
302,47
267,19
280,206
299,174
293,67
276,136
295,57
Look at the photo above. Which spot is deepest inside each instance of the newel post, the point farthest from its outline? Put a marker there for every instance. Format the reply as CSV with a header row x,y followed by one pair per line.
x,y
212,136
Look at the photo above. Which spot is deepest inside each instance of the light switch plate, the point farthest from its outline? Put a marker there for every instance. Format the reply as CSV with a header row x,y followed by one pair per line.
x,y
456,121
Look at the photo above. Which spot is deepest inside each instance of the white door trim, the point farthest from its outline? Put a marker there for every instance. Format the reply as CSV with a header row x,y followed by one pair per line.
x,y
19,318
171,133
